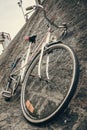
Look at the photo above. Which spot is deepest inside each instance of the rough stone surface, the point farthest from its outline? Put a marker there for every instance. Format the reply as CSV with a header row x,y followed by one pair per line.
x,y
74,13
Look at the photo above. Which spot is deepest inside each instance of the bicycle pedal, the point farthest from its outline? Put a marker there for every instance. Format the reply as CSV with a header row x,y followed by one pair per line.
x,y
7,94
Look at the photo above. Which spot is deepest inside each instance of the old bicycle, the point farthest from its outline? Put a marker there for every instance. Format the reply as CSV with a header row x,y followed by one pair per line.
x,y
49,76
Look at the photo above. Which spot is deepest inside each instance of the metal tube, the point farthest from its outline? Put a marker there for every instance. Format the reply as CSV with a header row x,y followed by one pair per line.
x,y
20,5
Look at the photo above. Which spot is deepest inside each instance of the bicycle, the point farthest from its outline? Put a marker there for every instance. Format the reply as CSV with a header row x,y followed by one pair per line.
x,y
49,76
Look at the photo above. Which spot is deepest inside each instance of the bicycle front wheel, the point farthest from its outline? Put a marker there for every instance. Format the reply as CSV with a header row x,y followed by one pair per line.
x,y
43,98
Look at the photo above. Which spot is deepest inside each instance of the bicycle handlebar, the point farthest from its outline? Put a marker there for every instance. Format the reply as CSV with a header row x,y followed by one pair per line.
x,y
35,7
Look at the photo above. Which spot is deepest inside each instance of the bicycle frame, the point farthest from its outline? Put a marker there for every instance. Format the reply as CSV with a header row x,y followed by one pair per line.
x,y
28,58
41,46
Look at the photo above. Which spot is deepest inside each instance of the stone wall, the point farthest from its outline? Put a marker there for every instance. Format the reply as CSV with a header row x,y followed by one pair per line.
x,y
74,13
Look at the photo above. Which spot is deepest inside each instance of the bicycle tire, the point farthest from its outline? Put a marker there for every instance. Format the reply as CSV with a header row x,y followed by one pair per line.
x,y
37,98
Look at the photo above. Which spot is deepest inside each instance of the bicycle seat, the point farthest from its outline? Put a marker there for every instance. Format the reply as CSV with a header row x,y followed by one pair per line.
x,y
31,39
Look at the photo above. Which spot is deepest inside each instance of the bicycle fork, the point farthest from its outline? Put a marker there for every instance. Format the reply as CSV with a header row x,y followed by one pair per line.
x,y
24,62
41,56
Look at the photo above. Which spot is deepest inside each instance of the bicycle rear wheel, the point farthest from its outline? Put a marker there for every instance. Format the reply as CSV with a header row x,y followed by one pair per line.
x,y
43,98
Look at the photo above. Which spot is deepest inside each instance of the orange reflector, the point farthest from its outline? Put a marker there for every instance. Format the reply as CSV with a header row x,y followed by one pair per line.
x,y
29,106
